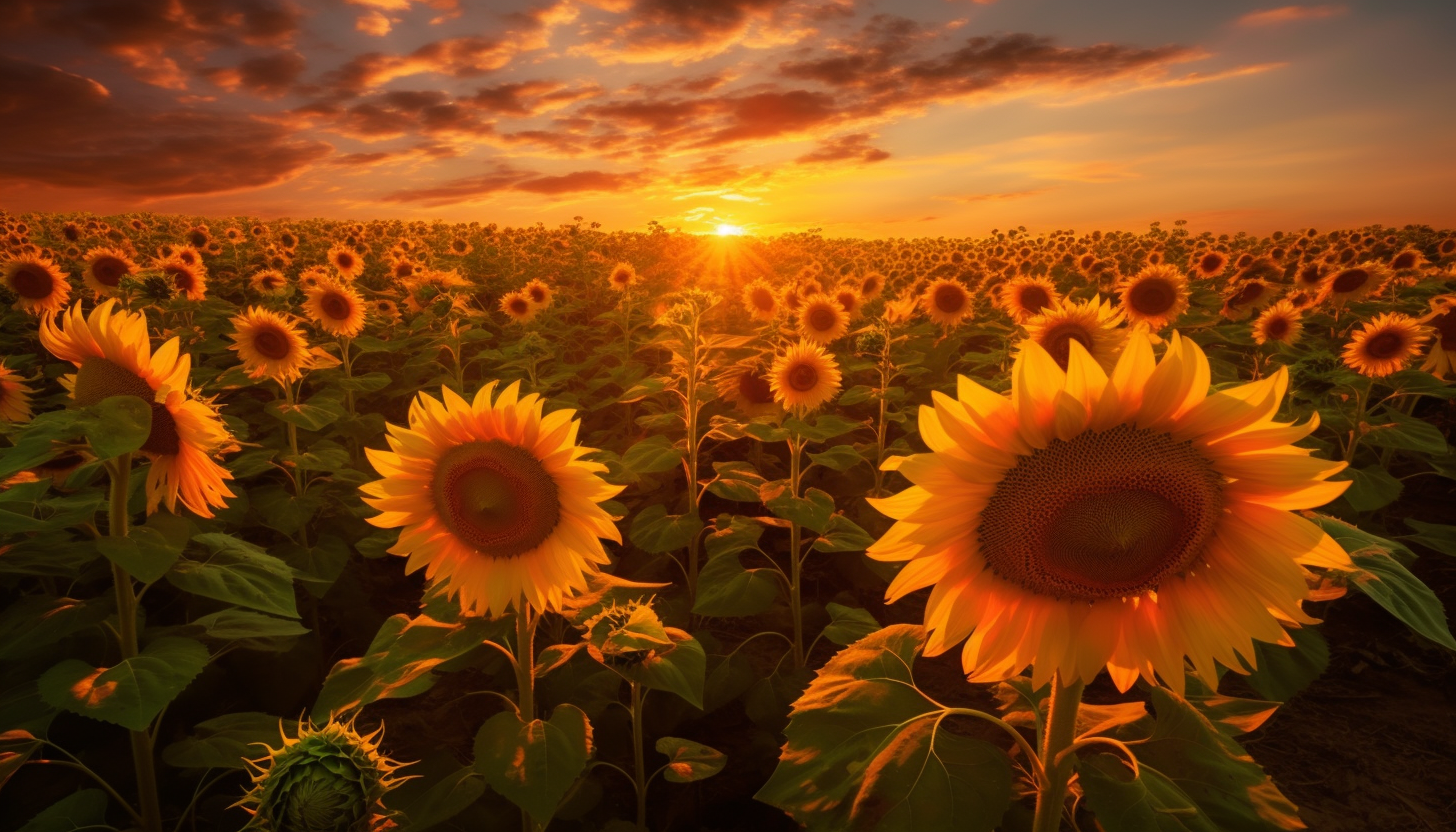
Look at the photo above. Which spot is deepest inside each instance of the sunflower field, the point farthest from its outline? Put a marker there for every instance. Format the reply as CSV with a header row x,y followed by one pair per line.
x,y
321,526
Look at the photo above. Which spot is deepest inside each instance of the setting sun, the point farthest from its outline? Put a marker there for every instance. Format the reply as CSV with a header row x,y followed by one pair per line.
x,y
726,230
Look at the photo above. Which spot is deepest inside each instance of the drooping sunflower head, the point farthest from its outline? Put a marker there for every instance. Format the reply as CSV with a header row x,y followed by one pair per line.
x,y
624,635
1355,282
746,385
105,267
761,300
538,292
622,277
493,499
947,302
1384,345
39,284
113,357
346,261
1279,323
822,320
804,378
1245,297
1023,298
1124,519
1092,323
871,285
1155,296
849,300
1441,359
186,279
14,396
270,282
269,345
518,307
325,779
336,307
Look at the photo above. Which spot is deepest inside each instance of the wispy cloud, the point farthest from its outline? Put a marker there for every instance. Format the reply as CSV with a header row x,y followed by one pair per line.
x,y
1290,14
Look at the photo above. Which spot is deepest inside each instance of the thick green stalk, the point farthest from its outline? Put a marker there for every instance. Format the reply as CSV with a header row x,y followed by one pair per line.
x,y
795,564
526,660
1061,730
126,613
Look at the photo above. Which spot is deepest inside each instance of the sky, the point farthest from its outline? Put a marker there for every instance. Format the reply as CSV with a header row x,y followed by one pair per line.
x,y
862,118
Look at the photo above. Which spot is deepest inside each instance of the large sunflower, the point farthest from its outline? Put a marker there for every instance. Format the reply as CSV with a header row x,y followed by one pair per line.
x,y
1353,283
804,378
1279,322
39,284
269,345
336,307
114,357
1126,520
1091,323
493,499
187,278
1384,345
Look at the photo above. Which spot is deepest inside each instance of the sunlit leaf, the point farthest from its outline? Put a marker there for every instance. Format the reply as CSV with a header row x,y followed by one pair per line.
x,y
130,693
534,764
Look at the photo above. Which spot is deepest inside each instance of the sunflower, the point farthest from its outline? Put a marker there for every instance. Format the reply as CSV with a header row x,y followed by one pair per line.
x,y
1279,322
1024,298
14,395
336,307
460,247
1384,345
746,385
538,292
622,277
39,284
1442,320
947,302
1092,323
1155,296
105,267
114,357
761,300
1311,276
1407,258
494,499
188,278
518,306
1244,298
346,262
387,309
804,378
1209,263
822,320
1125,521
1355,282
269,345
849,300
269,282
871,285
902,309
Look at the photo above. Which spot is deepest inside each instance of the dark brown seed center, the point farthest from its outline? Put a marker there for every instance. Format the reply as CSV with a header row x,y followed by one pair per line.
x,y
803,377
1385,345
950,299
1034,298
33,283
108,271
496,497
1349,280
822,319
98,379
335,306
272,343
754,388
1152,296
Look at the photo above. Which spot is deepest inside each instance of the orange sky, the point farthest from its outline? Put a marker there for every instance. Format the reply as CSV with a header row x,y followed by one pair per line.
x,y
922,118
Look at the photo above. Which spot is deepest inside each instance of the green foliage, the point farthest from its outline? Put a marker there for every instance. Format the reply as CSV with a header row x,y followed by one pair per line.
x,y
534,764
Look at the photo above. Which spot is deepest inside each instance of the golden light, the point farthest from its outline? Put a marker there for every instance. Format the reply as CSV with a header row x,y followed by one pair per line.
x,y
726,230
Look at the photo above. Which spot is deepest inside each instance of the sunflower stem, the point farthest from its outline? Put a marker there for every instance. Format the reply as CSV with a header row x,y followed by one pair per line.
x,y
525,660
1361,398
692,456
1061,729
795,564
886,367
348,362
639,772
126,614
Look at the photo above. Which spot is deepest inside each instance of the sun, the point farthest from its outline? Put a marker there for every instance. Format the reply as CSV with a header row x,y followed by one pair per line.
x,y
726,230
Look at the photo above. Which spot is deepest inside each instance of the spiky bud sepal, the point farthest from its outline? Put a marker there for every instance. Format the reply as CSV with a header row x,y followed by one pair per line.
x,y
325,779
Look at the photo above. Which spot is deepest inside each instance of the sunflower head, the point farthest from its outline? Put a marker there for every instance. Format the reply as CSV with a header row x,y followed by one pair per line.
x,y
746,385
761,300
947,302
346,261
269,345
822,319
1209,263
1352,283
1442,321
538,292
39,284
1244,297
518,307
188,279
14,396
1279,323
336,307
1155,296
624,635
1092,323
1385,345
871,285
325,779
269,282
105,267
804,378
622,277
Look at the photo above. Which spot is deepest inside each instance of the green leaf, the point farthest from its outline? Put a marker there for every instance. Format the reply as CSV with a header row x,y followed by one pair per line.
x,y
398,663
1371,488
116,426
726,589
1149,803
237,573
688,761
445,798
766,432
320,459
1404,596
15,748
728,680
857,394
738,481
307,416
233,624
1282,672
132,692
865,750
848,624
1433,536
679,669
1406,433
653,455
319,565
145,553
654,530
843,535
839,458
812,511
367,383
1354,539
278,509
84,810
228,741
36,622
826,427
534,764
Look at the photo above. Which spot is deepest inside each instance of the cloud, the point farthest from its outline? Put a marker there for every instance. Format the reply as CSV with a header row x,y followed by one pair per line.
x,y
373,22
503,177
1290,14
659,31
266,76
993,197
844,148
66,130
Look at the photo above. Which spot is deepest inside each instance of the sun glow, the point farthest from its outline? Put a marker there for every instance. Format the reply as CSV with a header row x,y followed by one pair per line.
x,y
726,230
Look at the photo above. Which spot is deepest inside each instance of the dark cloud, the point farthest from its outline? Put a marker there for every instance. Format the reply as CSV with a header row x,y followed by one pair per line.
x,y
681,31
266,76
65,130
854,147
504,177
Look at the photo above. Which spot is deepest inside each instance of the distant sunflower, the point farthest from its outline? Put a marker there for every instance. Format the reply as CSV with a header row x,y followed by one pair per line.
x,y
1353,283
1091,323
761,300
269,282
622,277
1280,322
1407,258
871,285
1384,345
822,320
1310,277
460,247
1209,263
105,267
387,309
336,307
14,395
746,385
1155,296
269,345
1024,298
189,279
1244,298
518,307
538,292
1121,520
346,262
113,357
947,302
39,284
804,378
493,499
849,300
1442,320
